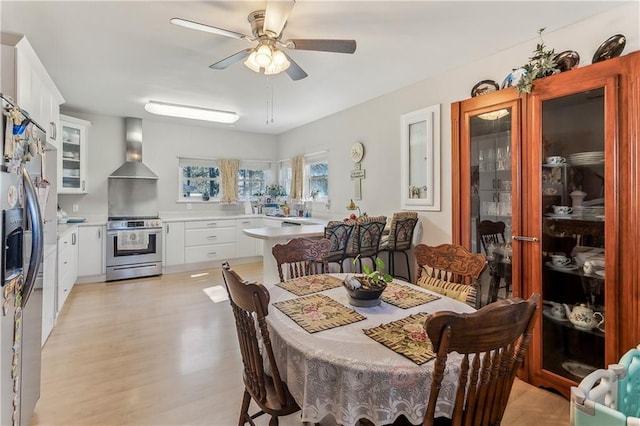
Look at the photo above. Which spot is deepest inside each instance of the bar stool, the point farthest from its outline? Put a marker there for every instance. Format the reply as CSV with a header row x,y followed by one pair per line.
x,y
339,233
399,241
366,239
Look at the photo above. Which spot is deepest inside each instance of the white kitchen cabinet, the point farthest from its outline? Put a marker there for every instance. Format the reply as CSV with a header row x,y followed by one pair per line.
x,y
49,292
28,83
91,255
173,243
72,157
207,240
67,265
246,246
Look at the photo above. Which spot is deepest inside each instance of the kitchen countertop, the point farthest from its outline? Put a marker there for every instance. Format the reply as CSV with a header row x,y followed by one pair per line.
x,y
267,233
293,219
64,228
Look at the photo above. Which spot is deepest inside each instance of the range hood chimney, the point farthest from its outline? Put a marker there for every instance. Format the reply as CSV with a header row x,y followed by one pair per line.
x,y
133,168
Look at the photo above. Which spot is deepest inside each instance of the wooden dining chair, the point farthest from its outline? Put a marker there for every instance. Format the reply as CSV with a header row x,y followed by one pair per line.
x,y
366,239
250,305
300,257
339,233
492,341
399,240
450,270
491,233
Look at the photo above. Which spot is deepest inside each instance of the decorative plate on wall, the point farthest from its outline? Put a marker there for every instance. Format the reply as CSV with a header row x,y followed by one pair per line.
x,y
484,87
610,48
567,60
513,77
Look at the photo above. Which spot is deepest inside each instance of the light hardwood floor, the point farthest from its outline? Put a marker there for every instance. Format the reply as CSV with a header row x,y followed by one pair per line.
x,y
159,352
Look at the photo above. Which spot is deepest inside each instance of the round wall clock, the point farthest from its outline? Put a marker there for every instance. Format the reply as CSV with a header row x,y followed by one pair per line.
x,y
357,152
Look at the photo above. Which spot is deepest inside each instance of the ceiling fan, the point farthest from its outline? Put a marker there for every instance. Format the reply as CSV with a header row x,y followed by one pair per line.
x,y
266,27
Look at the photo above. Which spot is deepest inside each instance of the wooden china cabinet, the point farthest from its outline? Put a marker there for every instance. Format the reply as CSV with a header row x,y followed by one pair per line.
x,y
503,171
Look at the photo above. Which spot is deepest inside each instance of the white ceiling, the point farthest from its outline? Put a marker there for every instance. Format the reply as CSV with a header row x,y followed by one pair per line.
x,y
111,57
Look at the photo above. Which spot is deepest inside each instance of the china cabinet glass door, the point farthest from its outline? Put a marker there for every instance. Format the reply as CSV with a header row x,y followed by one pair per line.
x,y
491,185
487,153
573,205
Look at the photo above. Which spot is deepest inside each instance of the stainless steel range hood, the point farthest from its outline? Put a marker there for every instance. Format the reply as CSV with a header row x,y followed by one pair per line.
x,y
133,187
133,168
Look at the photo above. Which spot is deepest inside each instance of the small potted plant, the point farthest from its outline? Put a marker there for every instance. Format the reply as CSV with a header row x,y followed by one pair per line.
x,y
365,289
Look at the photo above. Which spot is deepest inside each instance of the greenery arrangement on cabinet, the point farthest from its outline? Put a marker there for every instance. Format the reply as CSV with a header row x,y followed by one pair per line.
x,y
541,64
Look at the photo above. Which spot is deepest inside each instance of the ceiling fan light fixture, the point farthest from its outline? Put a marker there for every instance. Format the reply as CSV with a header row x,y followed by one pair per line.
x,y
278,63
251,62
194,113
263,55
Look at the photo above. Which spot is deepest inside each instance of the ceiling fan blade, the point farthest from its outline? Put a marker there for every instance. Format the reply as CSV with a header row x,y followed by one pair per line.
x,y
236,57
276,15
294,71
208,28
337,46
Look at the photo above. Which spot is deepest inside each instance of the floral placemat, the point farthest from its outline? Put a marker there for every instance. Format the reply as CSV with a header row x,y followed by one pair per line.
x,y
405,297
310,284
406,336
318,312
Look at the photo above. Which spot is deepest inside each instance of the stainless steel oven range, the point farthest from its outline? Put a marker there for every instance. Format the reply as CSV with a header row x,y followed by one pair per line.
x,y
134,248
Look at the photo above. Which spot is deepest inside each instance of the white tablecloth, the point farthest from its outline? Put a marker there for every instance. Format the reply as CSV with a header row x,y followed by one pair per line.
x,y
345,373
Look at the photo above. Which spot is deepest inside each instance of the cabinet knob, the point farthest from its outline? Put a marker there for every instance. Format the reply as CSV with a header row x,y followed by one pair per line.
x,y
212,224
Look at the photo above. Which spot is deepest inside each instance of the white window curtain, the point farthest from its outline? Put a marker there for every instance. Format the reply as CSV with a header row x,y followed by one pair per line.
x,y
297,177
229,175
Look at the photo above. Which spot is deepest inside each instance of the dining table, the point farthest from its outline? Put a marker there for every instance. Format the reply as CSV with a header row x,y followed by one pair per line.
x,y
350,371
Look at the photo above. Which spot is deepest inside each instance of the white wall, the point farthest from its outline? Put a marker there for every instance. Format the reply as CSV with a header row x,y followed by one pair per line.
x,y
377,122
162,144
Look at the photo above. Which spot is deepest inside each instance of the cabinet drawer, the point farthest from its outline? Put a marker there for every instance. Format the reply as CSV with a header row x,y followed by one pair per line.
x,y
65,241
201,237
210,224
210,252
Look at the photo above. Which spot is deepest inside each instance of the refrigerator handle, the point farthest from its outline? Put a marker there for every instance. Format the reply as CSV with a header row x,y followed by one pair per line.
x,y
33,210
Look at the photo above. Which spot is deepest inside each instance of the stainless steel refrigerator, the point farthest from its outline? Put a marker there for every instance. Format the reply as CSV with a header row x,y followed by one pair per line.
x,y
21,269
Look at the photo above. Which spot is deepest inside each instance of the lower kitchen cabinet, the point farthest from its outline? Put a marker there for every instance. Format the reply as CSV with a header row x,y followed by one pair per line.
x,y
246,246
173,243
67,265
91,255
206,240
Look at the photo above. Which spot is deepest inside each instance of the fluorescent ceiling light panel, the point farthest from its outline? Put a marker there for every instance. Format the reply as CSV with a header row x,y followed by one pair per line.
x,y
195,113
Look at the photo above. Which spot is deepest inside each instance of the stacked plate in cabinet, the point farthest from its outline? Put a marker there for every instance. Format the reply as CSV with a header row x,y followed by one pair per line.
x,y
587,158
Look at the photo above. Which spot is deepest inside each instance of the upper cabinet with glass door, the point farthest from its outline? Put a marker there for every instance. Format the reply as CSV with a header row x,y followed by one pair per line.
x,y
72,157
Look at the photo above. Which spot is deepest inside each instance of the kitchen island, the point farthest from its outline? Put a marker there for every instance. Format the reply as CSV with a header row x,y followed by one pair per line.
x,y
273,236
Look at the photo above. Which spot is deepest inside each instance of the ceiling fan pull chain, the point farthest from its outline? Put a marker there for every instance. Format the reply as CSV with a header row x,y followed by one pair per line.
x,y
272,99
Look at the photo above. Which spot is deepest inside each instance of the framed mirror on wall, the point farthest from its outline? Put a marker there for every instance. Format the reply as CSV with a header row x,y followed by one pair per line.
x,y
420,159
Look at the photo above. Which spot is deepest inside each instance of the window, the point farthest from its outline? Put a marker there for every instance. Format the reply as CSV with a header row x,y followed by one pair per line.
x,y
285,175
199,181
198,177
251,181
317,178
